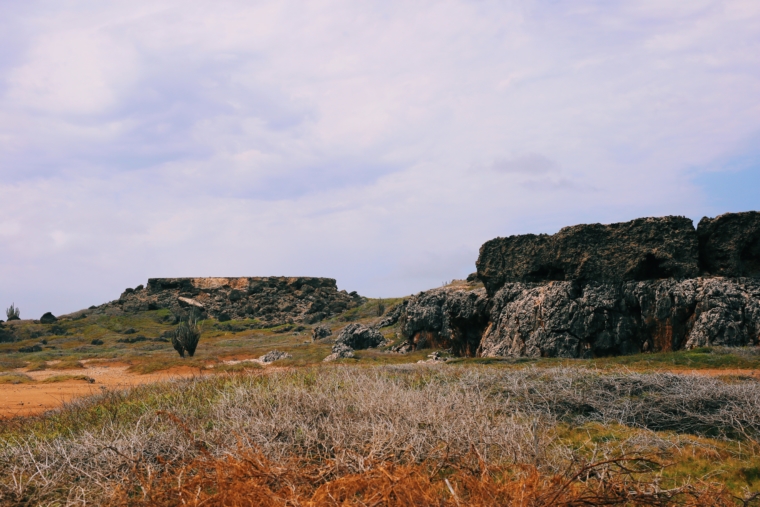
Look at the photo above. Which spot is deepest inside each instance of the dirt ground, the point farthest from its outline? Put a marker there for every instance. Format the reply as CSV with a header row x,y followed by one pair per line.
x,y
35,398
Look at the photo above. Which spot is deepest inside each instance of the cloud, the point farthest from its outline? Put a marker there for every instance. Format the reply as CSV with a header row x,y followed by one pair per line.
x,y
339,138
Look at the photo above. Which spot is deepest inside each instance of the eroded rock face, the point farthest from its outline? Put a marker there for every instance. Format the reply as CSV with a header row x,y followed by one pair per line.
x,y
359,336
272,300
448,317
729,245
569,319
642,249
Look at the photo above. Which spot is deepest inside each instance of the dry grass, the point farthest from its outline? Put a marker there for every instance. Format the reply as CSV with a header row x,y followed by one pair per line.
x,y
383,436
253,480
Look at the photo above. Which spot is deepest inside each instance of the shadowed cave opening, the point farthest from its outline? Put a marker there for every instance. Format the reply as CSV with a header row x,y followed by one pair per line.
x,y
651,268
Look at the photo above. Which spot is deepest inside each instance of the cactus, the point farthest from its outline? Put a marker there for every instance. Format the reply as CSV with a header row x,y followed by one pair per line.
x,y
186,337
13,312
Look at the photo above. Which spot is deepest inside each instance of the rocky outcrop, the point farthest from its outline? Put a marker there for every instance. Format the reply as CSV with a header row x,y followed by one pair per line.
x,y
645,285
393,315
320,332
567,319
642,249
359,336
274,355
449,317
729,245
271,300
48,318
339,351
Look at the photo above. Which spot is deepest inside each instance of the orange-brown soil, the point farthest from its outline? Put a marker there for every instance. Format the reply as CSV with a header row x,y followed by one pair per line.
x,y
37,397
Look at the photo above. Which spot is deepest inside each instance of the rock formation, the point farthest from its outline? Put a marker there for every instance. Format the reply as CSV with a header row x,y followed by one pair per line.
x,y
359,336
598,290
271,300
729,245
642,249
565,319
48,318
339,351
449,317
320,332
274,355
594,290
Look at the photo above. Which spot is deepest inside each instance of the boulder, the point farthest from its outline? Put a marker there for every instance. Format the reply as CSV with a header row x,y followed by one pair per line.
x,y
274,355
320,332
642,249
359,336
48,318
339,351
729,245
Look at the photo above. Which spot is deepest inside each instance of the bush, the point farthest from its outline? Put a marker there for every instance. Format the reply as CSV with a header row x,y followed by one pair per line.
x,y
13,312
186,337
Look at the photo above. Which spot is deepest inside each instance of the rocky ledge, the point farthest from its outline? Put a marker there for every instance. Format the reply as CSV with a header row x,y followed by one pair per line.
x,y
271,300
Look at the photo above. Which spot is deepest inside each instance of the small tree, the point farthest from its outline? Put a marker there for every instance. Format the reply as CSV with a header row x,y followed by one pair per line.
x,y
186,337
13,312
380,307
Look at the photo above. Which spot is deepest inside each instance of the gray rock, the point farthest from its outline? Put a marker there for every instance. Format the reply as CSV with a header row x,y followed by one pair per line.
x,y
339,351
729,245
642,249
403,347
393,315
568,319
320,332
48,318
449,317
359,336
274,355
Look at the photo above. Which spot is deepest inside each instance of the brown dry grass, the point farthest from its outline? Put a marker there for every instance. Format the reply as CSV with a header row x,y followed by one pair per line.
x,y
253,480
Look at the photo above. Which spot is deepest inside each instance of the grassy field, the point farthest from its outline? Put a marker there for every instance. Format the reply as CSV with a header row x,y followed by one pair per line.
x,y
376,429
395,435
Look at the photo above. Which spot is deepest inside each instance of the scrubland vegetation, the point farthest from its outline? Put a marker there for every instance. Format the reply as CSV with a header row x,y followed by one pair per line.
x,y
396,435
376,429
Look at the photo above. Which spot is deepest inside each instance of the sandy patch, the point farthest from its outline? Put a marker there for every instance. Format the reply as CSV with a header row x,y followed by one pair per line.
x,y
29,399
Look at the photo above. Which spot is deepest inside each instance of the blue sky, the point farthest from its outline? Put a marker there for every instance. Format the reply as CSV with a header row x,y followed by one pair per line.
x,y
376,142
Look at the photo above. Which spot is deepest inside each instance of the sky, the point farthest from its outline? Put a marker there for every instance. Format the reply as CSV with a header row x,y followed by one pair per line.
x,y
379,143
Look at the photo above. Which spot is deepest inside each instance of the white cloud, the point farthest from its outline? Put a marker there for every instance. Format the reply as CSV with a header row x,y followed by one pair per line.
x,y
345,138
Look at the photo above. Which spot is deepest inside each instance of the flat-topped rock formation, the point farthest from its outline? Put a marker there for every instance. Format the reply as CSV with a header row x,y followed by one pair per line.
x,y
642,249
271,300
647,284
